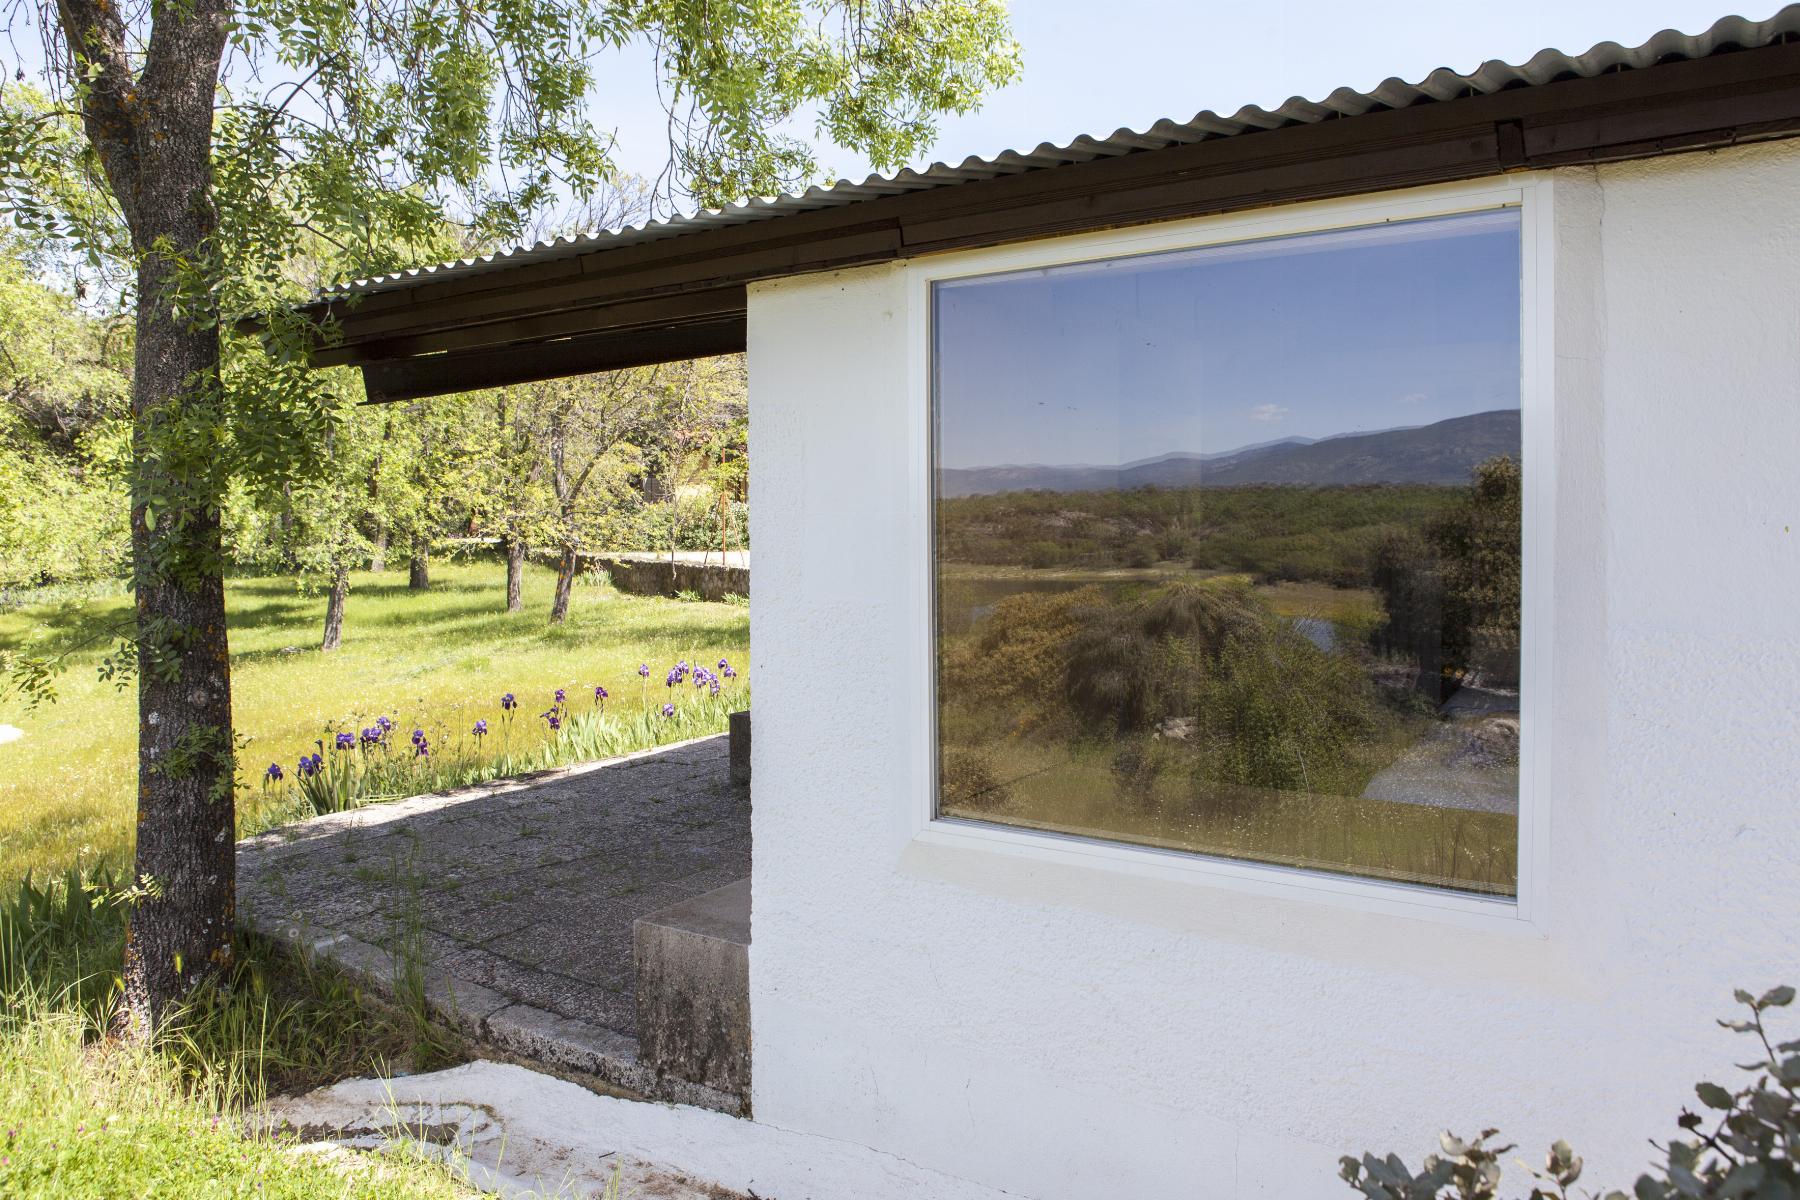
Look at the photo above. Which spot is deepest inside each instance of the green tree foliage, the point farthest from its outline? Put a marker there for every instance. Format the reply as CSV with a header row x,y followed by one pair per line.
x,y
224,146
1451,590
63,379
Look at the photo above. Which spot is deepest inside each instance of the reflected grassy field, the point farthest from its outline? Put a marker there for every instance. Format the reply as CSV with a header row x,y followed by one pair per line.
x,y
439,659
1074,791
1213,713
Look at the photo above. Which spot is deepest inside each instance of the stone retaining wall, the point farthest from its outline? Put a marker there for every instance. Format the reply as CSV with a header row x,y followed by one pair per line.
x,y
659,577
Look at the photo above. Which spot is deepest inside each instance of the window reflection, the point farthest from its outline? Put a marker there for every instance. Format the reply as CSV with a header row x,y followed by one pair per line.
x,y
1228,549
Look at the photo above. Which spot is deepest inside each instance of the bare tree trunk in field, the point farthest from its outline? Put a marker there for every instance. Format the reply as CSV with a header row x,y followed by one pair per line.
x,y
419,569
334,609
515,573
378,532
565,579
287,527
153,134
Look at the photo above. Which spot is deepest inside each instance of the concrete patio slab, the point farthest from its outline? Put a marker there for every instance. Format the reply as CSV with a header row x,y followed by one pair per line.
x,y
516,899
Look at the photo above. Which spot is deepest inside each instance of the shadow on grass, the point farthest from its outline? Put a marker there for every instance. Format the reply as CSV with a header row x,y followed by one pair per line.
x,y
459,613
82,628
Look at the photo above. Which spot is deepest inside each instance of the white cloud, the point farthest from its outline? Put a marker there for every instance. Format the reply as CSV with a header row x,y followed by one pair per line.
x,y
1268,412
1414,398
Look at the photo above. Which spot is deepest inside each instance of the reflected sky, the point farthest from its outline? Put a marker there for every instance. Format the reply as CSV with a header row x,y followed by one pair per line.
x,y
1201,351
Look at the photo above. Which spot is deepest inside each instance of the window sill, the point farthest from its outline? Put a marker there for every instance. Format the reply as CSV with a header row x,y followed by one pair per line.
x,y
1192,874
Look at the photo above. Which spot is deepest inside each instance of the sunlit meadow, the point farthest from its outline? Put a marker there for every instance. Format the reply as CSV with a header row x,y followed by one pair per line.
x,y
436,661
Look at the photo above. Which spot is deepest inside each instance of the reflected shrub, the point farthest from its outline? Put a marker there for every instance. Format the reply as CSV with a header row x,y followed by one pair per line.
x,y
967,780
1198,681
1213,671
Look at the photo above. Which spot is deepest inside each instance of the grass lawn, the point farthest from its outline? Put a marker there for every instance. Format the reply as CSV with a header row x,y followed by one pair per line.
x,y
104,1120
438,659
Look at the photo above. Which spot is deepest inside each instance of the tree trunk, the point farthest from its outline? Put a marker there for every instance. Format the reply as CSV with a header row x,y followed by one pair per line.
x,y
515,574
334,610
153,136
419,576
378,551
288,561
565,579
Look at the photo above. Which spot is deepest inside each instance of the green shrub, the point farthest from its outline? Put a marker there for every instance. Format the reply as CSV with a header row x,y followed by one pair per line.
x,y
1746,1154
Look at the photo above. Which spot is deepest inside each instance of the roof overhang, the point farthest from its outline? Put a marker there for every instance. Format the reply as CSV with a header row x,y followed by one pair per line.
x,y
616,301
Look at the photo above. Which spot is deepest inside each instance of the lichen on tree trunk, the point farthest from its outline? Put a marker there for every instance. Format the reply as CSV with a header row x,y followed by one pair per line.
x,y
515,574
334,609
419,569
565,580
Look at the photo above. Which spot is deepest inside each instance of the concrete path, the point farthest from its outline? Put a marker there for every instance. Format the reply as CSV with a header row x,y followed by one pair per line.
x,y
516,899
520,1133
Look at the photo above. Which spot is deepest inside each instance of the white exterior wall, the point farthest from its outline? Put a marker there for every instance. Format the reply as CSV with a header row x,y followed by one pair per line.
x,y
1065,1030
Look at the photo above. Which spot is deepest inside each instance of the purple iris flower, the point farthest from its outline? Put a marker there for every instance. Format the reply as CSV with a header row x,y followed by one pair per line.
x,y
383,724
481,728
714,685
371,736
561,696
421,748
507,703
644,670
723,665
730,672
418,738
309,765
273,774
673,678
345,741
599,692
668,710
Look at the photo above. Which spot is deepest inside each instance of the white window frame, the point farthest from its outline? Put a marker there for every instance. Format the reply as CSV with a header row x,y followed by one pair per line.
x,y
1524,914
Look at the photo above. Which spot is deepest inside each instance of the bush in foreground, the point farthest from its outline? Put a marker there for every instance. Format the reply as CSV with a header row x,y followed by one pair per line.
x,y
1746,1154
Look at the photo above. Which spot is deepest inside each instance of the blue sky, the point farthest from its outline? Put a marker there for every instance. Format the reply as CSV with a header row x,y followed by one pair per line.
x,y
1092,68
1202,351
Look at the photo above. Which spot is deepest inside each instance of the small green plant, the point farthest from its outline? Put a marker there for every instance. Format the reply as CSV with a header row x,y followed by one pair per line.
x,y
1748,1153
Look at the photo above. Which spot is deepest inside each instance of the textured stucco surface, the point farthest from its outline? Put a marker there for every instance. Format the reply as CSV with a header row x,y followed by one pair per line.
x,y
1069,1031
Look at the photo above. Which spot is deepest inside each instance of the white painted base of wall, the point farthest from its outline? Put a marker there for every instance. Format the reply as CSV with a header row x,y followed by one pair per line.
x,y
528,1134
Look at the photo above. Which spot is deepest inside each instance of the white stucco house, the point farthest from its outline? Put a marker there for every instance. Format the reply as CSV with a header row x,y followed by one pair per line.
x,y
1042,904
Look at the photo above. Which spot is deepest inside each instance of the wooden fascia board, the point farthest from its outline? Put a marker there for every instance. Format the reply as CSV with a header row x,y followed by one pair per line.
x,y
497,366
660,311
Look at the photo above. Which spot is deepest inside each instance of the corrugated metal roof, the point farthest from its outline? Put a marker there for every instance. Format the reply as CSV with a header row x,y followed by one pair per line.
x,y
1546,66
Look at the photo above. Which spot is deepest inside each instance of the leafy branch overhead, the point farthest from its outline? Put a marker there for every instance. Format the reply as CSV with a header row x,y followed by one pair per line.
x,y
212,160
1741,1147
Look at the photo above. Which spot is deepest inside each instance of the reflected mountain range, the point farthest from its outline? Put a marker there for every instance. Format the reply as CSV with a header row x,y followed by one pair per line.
x,y
1444,452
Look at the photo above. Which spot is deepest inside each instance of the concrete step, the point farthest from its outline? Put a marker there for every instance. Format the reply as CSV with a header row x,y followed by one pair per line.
x,y
693,989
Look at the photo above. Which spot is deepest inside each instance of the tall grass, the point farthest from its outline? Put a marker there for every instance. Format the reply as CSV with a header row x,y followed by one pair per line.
x,y
85,1119
85,1115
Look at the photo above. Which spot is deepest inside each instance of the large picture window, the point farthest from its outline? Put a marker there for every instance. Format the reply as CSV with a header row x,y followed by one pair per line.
x,y
1227,549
